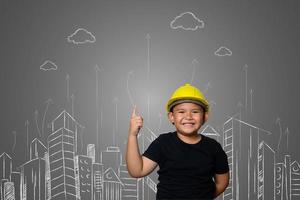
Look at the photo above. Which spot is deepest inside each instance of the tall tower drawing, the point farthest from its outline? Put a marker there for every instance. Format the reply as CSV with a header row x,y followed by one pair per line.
x,y
266,172
62,147
241,142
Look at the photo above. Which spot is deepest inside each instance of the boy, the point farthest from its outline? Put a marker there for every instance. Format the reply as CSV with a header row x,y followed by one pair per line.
x,y
191,165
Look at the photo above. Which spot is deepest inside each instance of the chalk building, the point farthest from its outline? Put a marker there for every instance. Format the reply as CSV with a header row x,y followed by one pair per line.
x,y
62,147
209,131
241,143
111,158
9,191
83,171
16,179
279,180
91,152
97,181
112,185
266,172
287,179
130,189
37,149
33,180
5,171
295,180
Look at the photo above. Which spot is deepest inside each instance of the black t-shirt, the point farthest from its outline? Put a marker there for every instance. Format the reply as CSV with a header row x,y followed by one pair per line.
x,y
186,171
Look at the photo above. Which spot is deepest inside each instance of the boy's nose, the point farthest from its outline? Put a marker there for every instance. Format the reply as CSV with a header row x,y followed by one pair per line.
x,y
188,115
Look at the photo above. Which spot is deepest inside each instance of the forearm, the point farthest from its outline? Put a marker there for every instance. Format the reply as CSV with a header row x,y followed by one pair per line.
x,y
219,190
133,157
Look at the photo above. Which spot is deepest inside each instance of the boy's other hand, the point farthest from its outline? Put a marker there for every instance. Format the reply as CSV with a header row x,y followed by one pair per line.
x,y
136,123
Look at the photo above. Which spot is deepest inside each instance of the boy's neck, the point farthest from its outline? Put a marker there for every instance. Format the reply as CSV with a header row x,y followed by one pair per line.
x,y
189,139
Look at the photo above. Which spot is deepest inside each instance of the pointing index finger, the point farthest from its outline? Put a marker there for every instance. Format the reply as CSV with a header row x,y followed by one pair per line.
x,y
134,112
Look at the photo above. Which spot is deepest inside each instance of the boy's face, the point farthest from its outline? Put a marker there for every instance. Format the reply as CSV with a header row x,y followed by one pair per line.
x,y
187,118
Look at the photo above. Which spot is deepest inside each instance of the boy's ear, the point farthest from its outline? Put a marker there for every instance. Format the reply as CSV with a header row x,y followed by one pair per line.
x,y
171,117
206,116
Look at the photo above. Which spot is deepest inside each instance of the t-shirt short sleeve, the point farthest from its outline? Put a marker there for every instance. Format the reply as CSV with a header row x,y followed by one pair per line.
x,y
153,152
221,166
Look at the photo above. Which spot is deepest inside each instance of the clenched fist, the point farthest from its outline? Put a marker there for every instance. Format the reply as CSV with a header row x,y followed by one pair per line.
x,y
136,123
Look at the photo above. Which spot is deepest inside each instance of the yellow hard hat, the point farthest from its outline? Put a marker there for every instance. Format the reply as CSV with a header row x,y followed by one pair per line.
x,y
187,93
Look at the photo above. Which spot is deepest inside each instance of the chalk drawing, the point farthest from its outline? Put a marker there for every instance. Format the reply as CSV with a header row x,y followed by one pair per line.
x,y
81,136
36,116
295,180
27,132
48,102
207,86
99,109
81,36
278,121
116,100
187,21
251,100
223,51
72,104
68,86
245,68
15,140
48,65
287,133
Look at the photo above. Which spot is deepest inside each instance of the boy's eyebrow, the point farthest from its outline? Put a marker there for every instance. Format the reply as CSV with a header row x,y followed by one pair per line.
x,y
187,109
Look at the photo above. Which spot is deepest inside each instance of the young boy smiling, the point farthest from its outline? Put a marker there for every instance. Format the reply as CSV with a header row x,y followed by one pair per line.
x,y
191,165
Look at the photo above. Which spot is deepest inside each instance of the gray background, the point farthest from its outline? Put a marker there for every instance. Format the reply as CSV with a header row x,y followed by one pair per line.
x,y
264,35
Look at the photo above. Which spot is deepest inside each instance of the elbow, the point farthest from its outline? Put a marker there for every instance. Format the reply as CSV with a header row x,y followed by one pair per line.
x,y
224,185
134,174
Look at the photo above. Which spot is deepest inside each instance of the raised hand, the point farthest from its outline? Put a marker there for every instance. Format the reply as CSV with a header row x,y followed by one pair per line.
x,y
136,123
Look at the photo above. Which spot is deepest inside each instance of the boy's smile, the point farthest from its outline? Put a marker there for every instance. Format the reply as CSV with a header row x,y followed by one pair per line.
x,y
187,118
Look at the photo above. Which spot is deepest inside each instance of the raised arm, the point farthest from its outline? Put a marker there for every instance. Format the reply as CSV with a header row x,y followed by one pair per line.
x,y
137,165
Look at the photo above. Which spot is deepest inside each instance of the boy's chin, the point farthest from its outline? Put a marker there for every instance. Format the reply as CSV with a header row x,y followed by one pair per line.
x,y
188,133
